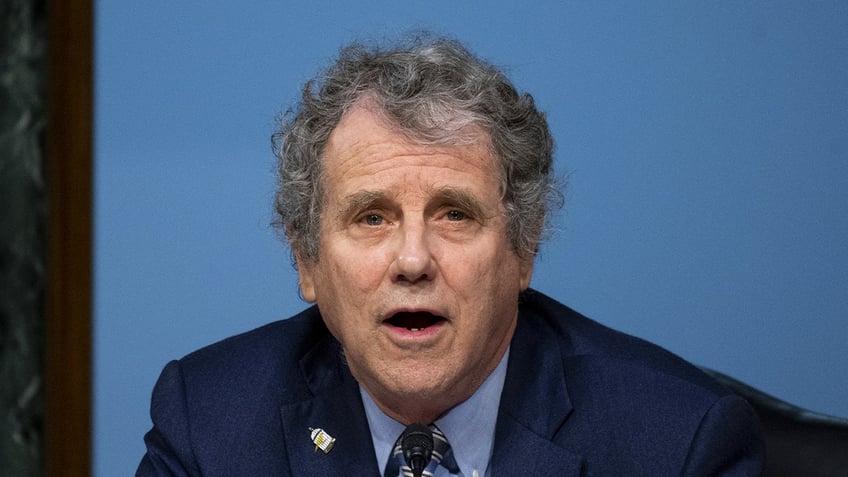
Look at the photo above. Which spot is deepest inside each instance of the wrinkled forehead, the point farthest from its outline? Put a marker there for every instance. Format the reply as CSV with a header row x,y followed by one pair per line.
x,y
368,133
357,142
427,122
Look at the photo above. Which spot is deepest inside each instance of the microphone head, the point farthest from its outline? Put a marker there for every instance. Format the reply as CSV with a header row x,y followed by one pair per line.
x,y
417,445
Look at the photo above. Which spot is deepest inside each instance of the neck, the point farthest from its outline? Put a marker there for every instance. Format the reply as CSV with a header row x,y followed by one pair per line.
x,y
414,410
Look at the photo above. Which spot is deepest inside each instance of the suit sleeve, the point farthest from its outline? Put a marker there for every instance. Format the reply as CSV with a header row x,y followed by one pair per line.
x,y
169,451
728,442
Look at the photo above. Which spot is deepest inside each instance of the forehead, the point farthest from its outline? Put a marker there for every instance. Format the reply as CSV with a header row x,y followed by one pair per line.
x,y
365,144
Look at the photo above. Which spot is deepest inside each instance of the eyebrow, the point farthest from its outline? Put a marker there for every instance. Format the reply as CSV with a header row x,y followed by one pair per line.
x,y
462,199
359,201
364,199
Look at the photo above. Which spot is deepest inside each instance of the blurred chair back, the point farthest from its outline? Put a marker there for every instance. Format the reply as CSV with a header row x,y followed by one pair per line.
x,y
798,442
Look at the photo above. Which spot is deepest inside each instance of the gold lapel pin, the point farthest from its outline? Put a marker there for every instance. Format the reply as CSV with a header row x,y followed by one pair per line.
x,y
322,440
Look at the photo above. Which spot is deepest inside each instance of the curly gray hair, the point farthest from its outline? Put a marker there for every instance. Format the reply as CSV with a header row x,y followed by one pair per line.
x,y
430,89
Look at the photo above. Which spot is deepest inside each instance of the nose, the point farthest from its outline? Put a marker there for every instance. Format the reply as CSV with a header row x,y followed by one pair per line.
x,y
414,260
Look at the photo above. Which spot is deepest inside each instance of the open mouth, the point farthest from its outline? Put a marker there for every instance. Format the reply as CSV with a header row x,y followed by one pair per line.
x,y
414,321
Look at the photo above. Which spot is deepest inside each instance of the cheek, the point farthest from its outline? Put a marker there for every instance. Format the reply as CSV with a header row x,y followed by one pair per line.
x,y
351,272
492,261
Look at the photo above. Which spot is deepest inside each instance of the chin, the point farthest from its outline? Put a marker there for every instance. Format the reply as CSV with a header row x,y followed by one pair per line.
x,y
428,391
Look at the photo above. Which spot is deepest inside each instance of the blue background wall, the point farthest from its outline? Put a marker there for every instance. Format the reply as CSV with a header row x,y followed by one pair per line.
x,y
705,147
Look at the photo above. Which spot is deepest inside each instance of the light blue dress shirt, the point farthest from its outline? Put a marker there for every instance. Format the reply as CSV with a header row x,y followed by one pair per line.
x,y
469,427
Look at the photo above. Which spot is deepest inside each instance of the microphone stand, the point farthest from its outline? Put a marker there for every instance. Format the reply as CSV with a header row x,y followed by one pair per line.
x,y
417,445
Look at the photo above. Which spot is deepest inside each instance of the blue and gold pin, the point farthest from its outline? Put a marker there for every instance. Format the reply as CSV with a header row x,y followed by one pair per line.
x,y
322,440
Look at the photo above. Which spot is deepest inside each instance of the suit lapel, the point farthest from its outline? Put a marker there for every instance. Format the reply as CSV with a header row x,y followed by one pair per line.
x,y
521,451
335,407
534,407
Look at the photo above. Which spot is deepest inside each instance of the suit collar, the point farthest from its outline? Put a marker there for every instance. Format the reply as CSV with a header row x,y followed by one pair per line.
x,y
334,406
534,406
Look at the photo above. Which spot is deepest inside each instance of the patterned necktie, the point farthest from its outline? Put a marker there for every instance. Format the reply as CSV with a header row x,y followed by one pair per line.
x,y
442,454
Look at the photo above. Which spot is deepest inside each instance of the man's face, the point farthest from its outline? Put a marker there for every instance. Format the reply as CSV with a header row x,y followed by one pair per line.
x,y
416,277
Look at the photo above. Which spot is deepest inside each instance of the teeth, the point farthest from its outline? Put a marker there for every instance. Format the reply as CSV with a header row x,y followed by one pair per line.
x,y
415,329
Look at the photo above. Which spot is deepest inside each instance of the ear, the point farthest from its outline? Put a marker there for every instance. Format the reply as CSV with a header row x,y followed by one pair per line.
x,y
306,277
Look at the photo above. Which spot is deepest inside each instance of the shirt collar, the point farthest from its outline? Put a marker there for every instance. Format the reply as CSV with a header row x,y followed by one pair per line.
x,y
469,426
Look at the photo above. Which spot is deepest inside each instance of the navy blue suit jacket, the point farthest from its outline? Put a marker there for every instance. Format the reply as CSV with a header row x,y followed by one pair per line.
x,y
579,399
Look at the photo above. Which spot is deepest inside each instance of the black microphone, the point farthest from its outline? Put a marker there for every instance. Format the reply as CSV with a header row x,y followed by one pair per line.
x,y
417,445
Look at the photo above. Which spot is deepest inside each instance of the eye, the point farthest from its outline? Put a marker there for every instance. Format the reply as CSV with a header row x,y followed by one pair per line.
x,y
456,215
373,220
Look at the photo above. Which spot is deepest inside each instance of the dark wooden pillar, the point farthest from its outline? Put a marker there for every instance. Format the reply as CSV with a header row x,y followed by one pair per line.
x,y
69,233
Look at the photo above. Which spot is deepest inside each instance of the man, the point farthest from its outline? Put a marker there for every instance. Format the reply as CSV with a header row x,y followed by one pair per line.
x,y
414,187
